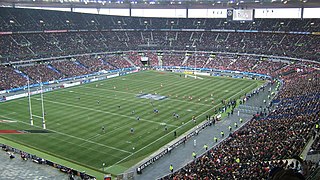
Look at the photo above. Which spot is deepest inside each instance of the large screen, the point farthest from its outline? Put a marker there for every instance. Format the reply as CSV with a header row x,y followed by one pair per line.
x,y
242,15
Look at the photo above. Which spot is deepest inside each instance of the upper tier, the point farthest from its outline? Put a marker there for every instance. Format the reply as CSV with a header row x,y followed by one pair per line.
x,y
36,20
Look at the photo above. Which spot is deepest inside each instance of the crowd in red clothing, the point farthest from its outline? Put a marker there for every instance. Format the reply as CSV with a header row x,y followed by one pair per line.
x,y
16,76
173,59
40,73
87,64
10,79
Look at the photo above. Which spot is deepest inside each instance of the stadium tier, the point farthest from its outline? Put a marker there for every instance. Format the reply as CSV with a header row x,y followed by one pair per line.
x,y
32,34
47,46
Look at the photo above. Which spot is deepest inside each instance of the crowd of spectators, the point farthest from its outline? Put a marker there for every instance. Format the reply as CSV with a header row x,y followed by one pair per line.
x,y
70,68
135,57
152,58
95,35
268,67
243,63
44,45
87,64
259,145
16,76
94,63
40,73
197,60
173,59
9,78
118,61
219,62
250,152
12,19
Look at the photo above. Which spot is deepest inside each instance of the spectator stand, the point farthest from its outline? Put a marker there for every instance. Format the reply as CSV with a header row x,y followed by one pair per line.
x,y
283,147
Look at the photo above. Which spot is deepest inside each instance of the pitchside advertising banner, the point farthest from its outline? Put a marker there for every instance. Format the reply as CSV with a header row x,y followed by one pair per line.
x,y
3,98
65,85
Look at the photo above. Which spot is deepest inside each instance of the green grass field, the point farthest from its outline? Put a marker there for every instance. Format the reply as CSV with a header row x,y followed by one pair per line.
x,y
76,124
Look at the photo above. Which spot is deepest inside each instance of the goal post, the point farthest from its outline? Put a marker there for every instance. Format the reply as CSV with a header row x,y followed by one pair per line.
x,y
42,106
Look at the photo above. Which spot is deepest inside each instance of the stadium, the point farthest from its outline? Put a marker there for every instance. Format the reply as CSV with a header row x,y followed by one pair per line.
x,y
152,89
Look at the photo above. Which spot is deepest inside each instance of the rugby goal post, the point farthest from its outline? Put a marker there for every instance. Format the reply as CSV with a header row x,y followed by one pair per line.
x,y
42,106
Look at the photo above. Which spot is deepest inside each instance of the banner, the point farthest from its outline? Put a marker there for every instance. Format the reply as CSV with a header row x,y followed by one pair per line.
x,y
55,31
2,33
71,84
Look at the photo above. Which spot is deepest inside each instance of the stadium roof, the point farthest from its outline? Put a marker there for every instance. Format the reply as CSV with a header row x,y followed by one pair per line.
x,y
168,4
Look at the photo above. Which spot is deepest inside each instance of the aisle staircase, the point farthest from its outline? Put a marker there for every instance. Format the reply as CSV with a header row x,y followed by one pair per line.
x,y
127,59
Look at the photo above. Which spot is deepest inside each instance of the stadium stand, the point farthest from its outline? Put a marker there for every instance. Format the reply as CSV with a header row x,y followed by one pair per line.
x,y
40,72
59,34
173,59
262,142
10,78
260,145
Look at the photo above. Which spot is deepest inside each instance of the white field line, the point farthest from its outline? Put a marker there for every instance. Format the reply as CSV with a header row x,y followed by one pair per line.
x,y
112,97
81,145
10,113
140,119
168,84
105,112
169,99
90,139
175,129
6,121
61,133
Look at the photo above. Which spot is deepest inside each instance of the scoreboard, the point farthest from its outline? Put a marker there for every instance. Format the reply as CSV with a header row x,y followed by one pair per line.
x,y
240,14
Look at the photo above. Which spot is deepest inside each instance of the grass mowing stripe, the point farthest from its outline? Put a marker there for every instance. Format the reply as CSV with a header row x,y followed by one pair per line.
x,y
148,103
77,138
168,98
249,87
105,112
86,123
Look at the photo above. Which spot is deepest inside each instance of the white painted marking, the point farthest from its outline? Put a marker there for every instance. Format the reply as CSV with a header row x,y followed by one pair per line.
x,y
105,112
174,130
10,113
168,99
6,121
75,137
90,139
